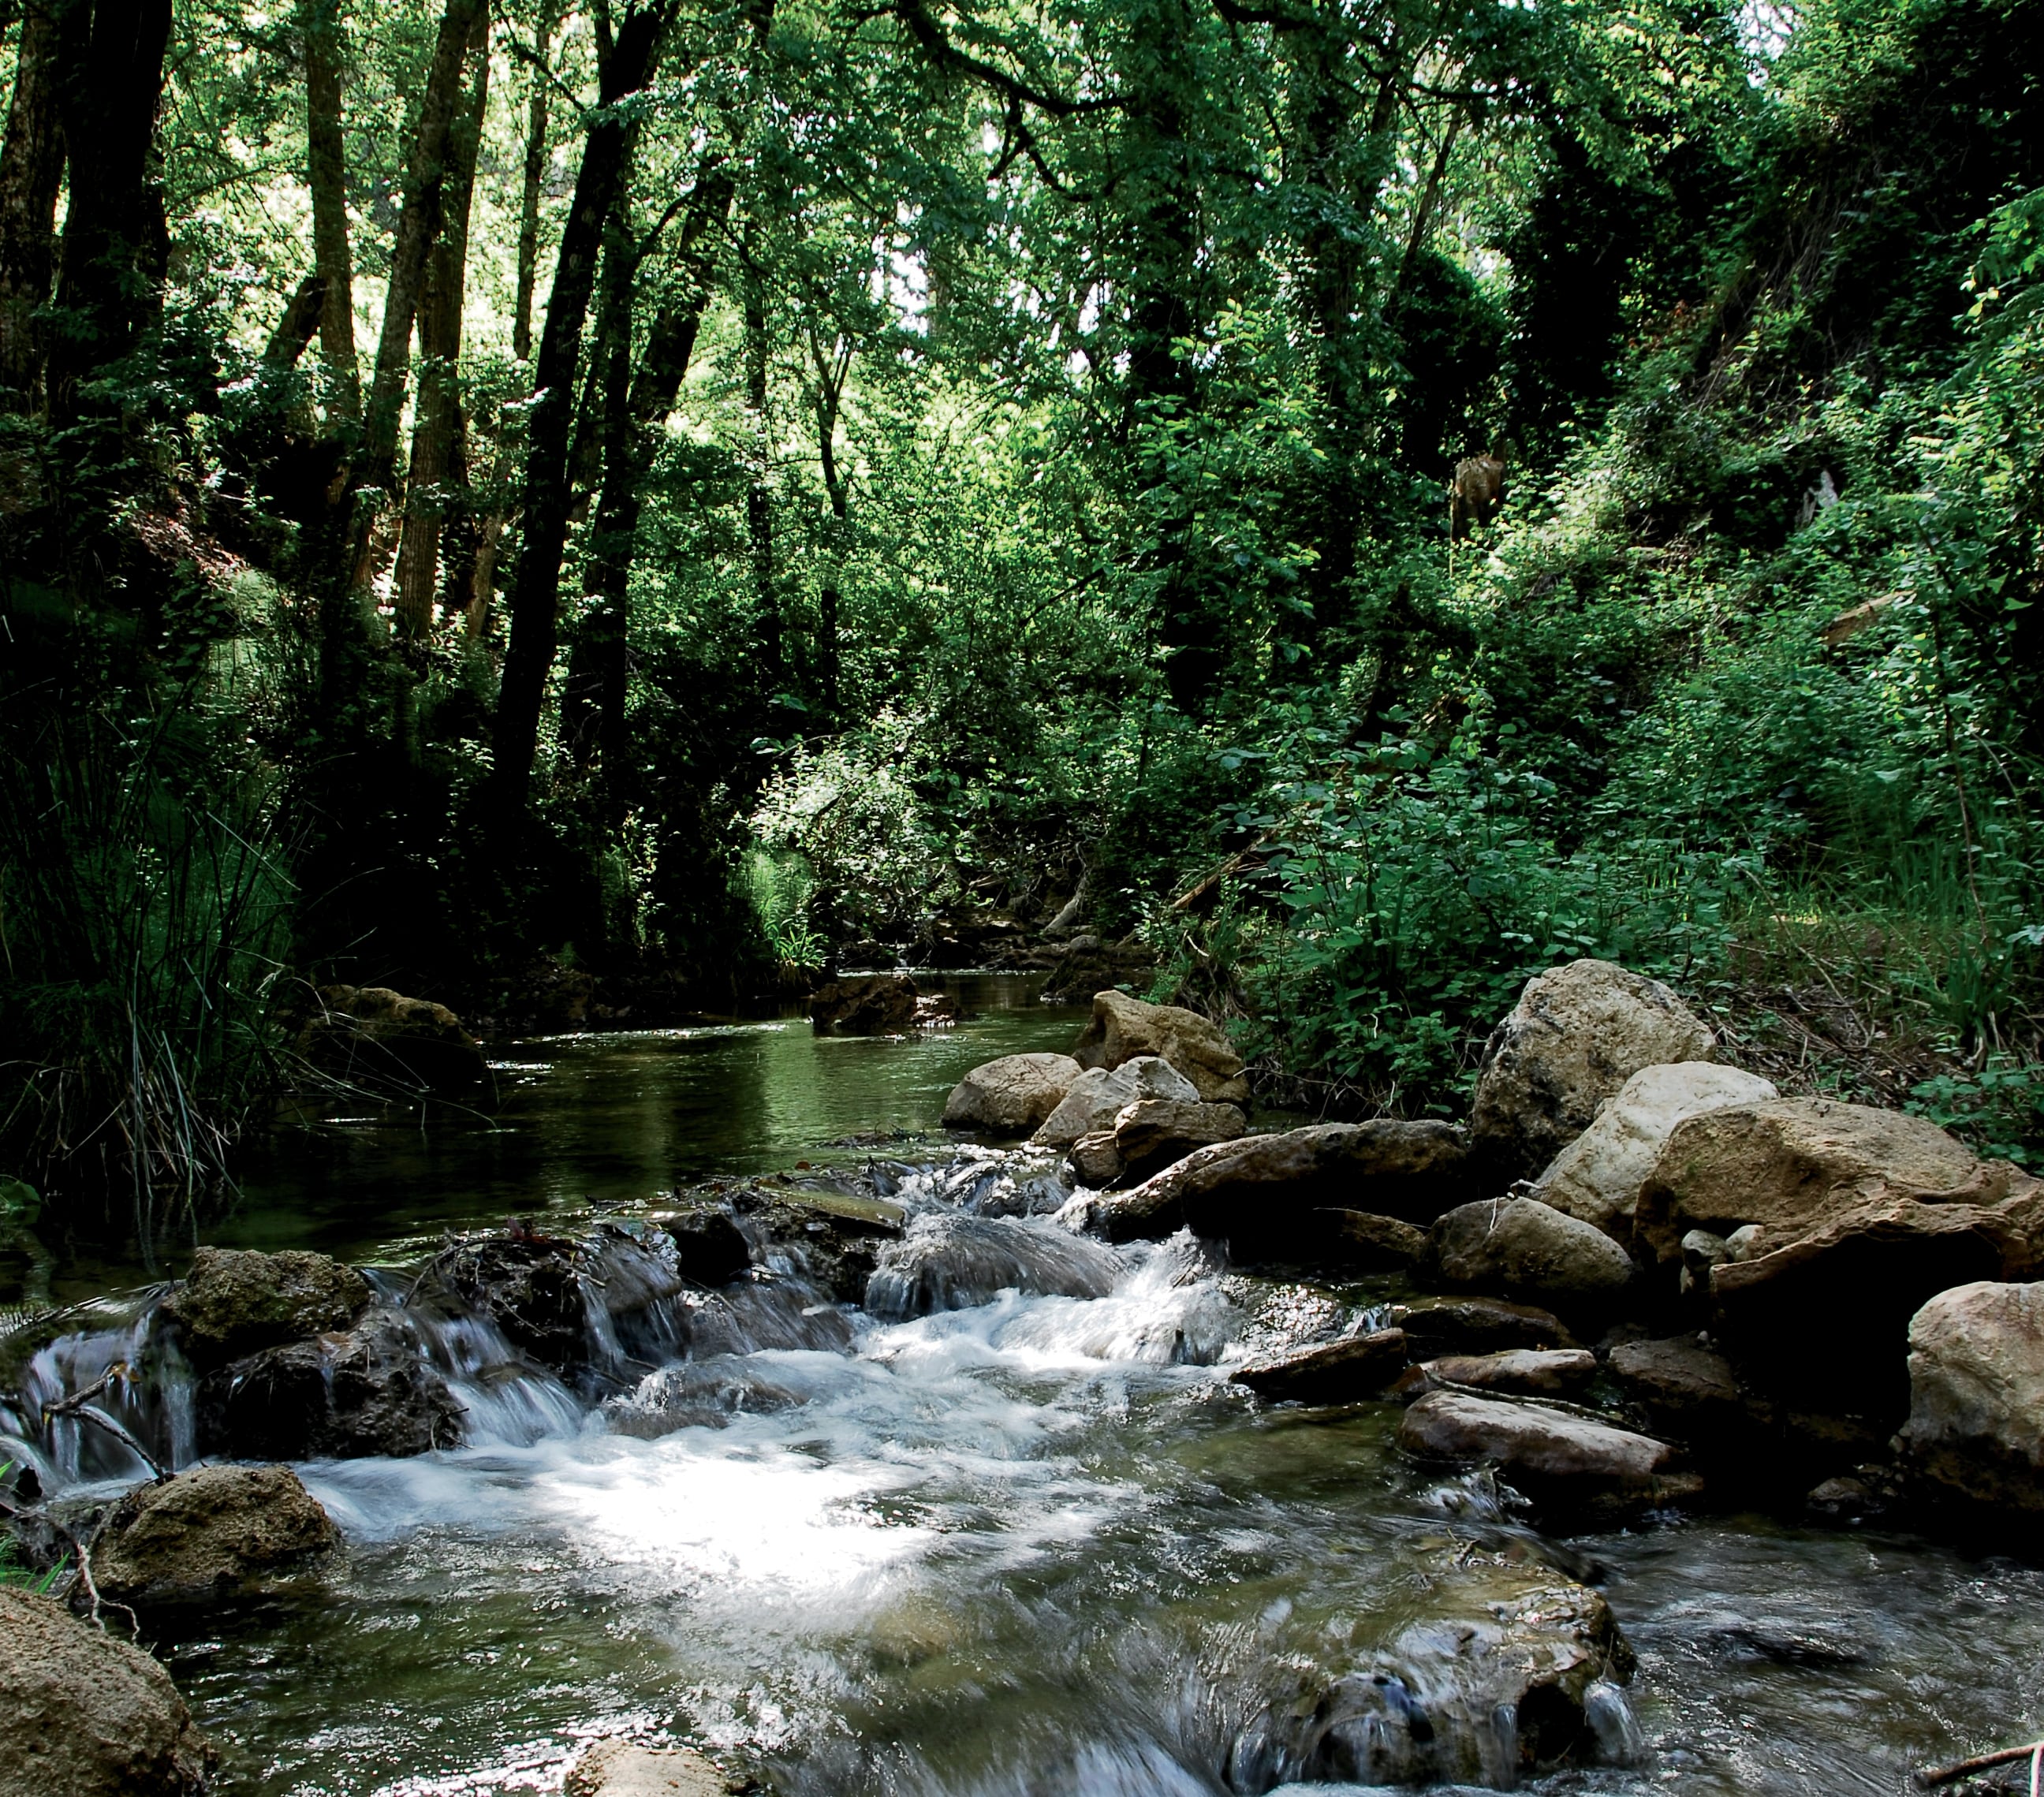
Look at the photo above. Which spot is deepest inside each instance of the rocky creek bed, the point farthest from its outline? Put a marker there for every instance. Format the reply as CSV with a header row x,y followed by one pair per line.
x,y
930,1470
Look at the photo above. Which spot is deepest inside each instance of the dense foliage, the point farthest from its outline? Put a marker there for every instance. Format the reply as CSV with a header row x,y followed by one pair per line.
x,y
678,493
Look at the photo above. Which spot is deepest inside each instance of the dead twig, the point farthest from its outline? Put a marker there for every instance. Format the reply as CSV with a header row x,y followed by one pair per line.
x,y
1929,1778
78,1405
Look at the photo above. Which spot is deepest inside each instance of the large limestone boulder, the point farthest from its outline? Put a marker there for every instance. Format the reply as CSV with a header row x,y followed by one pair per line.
x,y
234,1302
1817,1313
1349,1371
1567,1464
1598,1176
1777,1163
1262,1192
373,1033
627,1769
370,1391
1493,1670
214,1532
85,1714
1152,1133
1123,1027
1010,1096
1523,1248
1100,1094
869,1004
1976,1422
1577,1033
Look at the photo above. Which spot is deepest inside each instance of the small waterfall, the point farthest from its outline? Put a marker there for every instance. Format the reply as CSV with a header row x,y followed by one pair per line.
x,y
143,1407
948,1263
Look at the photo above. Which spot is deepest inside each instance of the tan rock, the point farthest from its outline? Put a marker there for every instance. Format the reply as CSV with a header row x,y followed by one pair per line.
x,y
1260,1191
1564,1462
1577,1033
1095,1160
1100,1094
1123,1027
1597,1177
1012,1096
1976,1422
1152,1133
1777,1163
1523,1248
1473,1326
213,1532
1355,1368
1534,1373
1369,1242
85,1714
625,1768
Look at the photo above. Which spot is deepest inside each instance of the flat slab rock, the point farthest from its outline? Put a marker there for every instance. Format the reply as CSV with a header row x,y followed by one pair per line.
x,y
1477,1325
625,1768
1349,1371
1538,1372
1561,1461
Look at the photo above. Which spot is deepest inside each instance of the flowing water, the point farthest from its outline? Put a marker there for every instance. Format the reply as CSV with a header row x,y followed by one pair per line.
x,y
1032,1544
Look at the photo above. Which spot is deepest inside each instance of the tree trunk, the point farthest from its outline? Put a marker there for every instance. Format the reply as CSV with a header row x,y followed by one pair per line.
x,y
299,326
536,588
326,161
759,495
31,171
110,79
593,705
536,170
418,223
438,415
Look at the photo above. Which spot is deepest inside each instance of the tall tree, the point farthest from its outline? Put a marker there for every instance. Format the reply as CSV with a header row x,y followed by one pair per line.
x,y
326,166
31,171
437,416
536,171
110,79
606,158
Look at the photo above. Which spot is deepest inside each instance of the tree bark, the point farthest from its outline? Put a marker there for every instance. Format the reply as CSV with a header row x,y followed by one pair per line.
x,y
536,170
758,494
326,162
438,415
31,171
536,587
299,326
593,703
418,223
110,79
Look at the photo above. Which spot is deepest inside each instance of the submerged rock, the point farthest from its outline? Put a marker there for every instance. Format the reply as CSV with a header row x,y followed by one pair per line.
x,y
1010,1096
869,1004
1356,1367
697,1394
369,1391
1100,1094
84,1714
1523,1248
1598,1177
233,1303
211,1533
1577,1033
1976,1424
1122,1028
1261,1194
1569,1466
625,1768
1499,1670
1782,1164
949,1263
373,1033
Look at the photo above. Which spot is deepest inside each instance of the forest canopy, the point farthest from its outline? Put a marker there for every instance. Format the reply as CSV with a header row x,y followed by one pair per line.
x,y
1328,506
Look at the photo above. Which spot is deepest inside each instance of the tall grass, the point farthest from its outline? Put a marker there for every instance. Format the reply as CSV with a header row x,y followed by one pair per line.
x,y
144,919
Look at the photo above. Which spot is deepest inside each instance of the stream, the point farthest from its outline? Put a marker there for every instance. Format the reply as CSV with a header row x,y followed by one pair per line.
x,y
1034,1545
